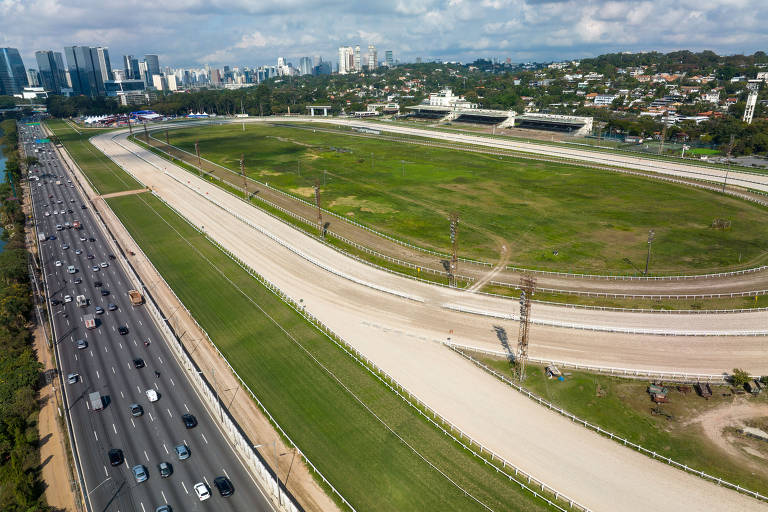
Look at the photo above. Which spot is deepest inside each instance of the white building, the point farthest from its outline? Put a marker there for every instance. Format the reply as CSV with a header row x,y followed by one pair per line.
x,y
159,82
446,98
173,84
346,60
604,99
373,62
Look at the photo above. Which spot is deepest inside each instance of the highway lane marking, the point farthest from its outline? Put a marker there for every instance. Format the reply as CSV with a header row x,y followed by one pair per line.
x,y
187,408
160,359
114,428
169,413
91,352
150,416
140,322
206,481
137,387
97,374
122,395
142,506
121,345
172,383
146,456
75,357
132,423
67,321
157,388
106,473
113,328
113,370
164,498
134,342
95,435
165,448
203,436
225,472
106,349
185,487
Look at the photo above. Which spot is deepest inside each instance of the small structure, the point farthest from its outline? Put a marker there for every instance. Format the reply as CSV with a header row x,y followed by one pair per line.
x,y
753,387
313,108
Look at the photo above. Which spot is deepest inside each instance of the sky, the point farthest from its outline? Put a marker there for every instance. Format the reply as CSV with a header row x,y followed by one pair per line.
x,y
191,33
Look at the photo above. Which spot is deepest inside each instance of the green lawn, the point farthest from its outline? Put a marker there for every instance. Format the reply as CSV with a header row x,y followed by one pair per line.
x,y
103,173
594,219
623,406
279,355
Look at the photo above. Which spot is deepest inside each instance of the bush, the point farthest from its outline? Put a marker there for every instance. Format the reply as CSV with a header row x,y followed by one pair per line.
x,y
740,377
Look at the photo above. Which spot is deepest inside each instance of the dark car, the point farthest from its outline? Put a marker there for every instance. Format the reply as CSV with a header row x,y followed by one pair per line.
x,y
78,280
91,239
165,469
189,420
55,302
82,206
104,292
52,237
111,256
97,283
136,410
90,256
122,330
138,363
224,486
115,456
111,307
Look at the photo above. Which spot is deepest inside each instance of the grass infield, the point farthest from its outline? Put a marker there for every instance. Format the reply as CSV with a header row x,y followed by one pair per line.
x,y
552,215
263,339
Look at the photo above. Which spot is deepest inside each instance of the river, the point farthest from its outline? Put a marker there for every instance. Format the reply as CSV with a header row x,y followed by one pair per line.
x,y
2,180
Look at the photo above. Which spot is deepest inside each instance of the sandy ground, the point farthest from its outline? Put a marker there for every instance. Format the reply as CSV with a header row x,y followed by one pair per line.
x,y
247,414
124,193
399,335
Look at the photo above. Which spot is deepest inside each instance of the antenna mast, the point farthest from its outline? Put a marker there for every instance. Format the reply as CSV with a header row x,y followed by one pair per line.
x,y
527,289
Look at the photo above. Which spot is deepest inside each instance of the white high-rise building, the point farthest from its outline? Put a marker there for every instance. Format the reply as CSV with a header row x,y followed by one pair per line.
x,y
373,62
358,65
346,60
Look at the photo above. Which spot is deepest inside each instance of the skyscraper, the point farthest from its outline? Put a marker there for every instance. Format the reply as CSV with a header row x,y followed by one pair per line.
x,y
102,55
33,78
13,76
389,58
84,70
305,65
346,60
373,61
131,67
358,65
52,71
153,64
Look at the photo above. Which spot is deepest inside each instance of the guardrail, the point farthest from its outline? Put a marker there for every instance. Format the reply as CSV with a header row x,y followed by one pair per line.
x,y
402,392
603,432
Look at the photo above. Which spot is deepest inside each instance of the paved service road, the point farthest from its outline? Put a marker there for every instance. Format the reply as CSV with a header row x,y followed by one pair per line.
x,y
106,365
399,334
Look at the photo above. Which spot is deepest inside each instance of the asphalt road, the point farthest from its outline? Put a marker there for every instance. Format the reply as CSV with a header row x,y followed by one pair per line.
x,y
106,365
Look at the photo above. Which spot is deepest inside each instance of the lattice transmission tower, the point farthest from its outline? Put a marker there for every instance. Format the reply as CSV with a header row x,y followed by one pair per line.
x,y
527,289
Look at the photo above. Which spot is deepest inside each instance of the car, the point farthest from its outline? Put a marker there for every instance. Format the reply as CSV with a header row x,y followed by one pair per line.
x,y
71,269
57,263
103,264
115,456
58,201
59,227
47,214
69,210
81,344
95,268
138,363
67,298
52,237
224,486
140,473
78,251
189,420
136,410
72,378
99,310
151,395
71,200
83,239
165,469
55,302
122,330
83,207
97,283
111,306
164,508
50,196
91,239
89,256
111,256
182,451
78,280
64,247
202,491
104,292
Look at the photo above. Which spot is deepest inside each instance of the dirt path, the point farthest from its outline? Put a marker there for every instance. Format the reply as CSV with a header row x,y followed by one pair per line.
x,y
247,414
125,193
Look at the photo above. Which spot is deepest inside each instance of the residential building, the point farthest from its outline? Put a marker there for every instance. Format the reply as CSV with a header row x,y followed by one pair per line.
x,y
13,76
346,60
604,100
358,65
159,82
389,58
373,62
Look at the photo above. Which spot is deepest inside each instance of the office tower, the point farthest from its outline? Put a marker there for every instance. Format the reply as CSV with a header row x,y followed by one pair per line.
x,y
373,62
144,73
51,71
131,66
33,78
84,70
153,64
13,76
389,58
358,65
105,68
305,65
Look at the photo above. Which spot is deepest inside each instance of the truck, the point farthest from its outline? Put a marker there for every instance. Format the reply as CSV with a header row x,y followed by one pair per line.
x,y
41,237
76,224
81,301
97,403
136,298
90,321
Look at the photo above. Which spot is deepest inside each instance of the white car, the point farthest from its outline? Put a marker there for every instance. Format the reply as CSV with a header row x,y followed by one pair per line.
x,y
47,214
57,263
104,264
71,269
202,491
95,268
151,394
67,298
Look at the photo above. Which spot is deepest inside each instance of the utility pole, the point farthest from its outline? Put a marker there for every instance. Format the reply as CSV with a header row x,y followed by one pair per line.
x,y
527,289
402,167
728,158
454,263
663,136
242,171
130,128
651,237
371,161
146,135
319,210
167,141
199,162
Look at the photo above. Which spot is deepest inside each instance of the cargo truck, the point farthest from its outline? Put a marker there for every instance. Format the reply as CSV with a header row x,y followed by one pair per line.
x,y
81,301
96,402
90,321
136,298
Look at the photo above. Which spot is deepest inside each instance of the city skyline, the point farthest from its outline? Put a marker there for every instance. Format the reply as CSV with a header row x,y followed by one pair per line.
x,y
238,33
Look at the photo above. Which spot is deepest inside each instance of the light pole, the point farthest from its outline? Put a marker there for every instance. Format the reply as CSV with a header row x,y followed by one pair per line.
x,y
651,236
277,475
215,392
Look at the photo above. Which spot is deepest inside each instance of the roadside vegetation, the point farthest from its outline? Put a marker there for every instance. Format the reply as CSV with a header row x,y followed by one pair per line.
x,y
21,489
344,419
105,176
624,407
552,216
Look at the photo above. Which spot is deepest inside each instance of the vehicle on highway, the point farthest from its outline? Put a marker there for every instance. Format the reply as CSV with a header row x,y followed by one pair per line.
x,y
202,491
95,268
47,214
55,302
83,207
115,457
135,297
136,410
59,227
82,239
151,395
138,363
189,421
111,306
72,378
67,298
82,302
81,344
78,280
165,469
122,330
71,269
111,256
65,247
90,321
164,508
104,292
91,239
52,237
103,264
224,486
90,256
57,263
97,403
99,310
97,283
78,251
140,473
182,451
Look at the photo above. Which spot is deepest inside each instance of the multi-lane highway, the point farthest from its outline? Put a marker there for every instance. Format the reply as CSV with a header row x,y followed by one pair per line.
x,y
104,360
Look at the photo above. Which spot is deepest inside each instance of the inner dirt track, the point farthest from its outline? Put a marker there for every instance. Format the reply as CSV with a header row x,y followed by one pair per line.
x,y
398,323
702,286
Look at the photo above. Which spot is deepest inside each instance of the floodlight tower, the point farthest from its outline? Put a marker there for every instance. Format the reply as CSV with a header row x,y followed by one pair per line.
x,y
242,171
130,128
319,210
749,110
199,162
527,289
454,264
167,140
146,135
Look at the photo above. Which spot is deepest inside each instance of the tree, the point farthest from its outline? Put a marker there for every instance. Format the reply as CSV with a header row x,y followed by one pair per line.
x,y
740,377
